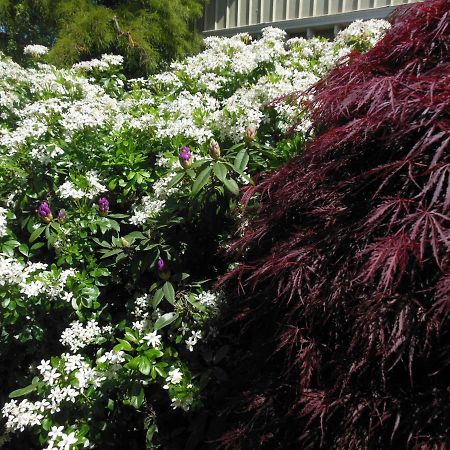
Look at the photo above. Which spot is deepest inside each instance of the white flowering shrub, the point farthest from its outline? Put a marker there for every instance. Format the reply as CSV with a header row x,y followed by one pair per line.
x,y
115,198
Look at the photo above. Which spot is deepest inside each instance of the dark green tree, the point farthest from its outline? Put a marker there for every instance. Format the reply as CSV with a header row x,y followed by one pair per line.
x,y
148,33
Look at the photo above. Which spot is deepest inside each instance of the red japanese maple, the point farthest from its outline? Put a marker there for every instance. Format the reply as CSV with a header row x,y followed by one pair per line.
x,y
344,286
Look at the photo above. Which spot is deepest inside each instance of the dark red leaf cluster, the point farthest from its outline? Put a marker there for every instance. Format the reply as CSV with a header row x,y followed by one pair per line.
x,y
342,300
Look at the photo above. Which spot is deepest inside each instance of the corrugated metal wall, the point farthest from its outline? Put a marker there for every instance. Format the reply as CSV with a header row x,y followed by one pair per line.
x,y
223,14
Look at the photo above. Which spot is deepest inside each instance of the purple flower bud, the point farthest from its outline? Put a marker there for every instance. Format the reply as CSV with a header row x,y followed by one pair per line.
x,y
163,271
44,212
214,149
185,157
103,206
62,216
161,264
250,134
185,154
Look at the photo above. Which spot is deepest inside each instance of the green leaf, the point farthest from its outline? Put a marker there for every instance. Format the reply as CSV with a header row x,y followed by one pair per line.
x,y
159,294
153,353
169,292
36,233
220,171
165,319
201,180
176,179
241,160
113,252
46,424
125,345
231,185
23,248
144,365
102,243
152,429
114,225
12,243
37,246
135,235
137,400
118,216
130,335
55,225
112,184
133,363
23,391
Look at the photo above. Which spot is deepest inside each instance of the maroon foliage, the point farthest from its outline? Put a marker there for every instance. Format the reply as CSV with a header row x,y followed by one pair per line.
x,y
343,295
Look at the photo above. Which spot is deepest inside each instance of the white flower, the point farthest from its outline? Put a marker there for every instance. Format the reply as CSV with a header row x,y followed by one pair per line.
x,y
56,433
68,190
67,440
44,367
208,299
112,357
35,50
77,336
50,376
21,415
174,377
153,339
193,339
3,222
105,63
95,187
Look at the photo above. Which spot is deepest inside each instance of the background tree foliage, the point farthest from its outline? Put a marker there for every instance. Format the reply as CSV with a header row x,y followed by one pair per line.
x,y
147,33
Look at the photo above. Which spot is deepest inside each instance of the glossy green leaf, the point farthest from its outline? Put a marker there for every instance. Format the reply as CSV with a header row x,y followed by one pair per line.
x,y
157,297
144,365
176,179
201,180
220,171
165,319
23,391
36,233
169,292
241,160
231,185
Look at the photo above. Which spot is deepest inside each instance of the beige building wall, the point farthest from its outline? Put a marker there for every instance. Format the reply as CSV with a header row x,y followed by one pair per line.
x,y
225,17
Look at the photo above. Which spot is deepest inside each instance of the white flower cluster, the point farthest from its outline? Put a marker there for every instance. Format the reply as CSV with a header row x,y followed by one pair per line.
x,y
96,110
199,114
112,357
46,153
77,336
3,222
142,314
103,64
174,377
192,340
183,403
94,187
150,206
24,414
32,279
28,414
60,440
35,50
192,115
209,299
366,32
